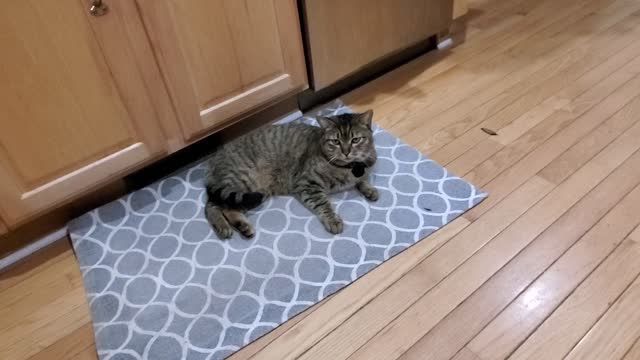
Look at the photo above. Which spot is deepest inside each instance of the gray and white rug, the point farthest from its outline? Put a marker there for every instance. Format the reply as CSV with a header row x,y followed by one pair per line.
x,y
162,286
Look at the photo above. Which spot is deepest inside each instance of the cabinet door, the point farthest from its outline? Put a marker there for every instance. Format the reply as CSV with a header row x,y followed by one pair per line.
x,y
74,108
223,58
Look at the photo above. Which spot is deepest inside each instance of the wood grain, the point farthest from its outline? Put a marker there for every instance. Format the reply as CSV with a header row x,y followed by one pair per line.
x,y
635,235
586,60
397,93
503,335
614,334
537,160
79,344
541,122
447,337
488,79
425,313
634,352
482,35
559,333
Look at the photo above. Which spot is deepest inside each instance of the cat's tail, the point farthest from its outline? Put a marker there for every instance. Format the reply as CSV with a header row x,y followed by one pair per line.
x,y
218,222
235,199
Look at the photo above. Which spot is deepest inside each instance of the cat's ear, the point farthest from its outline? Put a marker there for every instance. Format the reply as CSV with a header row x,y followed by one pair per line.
x,y
365,118
325,122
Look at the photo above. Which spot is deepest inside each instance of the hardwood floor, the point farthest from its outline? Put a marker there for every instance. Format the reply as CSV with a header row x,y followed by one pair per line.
x,y
545,268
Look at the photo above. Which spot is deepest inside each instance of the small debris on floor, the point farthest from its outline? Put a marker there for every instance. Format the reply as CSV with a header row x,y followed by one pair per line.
x,y
427,209
489,131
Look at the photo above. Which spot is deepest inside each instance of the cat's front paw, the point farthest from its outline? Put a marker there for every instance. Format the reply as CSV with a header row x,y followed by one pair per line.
x,y
370,193
333,225
225,232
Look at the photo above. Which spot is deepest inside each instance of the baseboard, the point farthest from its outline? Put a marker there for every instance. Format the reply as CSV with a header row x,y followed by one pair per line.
x,y
32,247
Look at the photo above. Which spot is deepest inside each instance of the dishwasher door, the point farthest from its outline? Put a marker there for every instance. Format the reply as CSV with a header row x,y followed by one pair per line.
x,y
345,36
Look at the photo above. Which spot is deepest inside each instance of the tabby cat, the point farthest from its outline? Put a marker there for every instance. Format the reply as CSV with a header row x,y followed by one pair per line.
x,y
305,161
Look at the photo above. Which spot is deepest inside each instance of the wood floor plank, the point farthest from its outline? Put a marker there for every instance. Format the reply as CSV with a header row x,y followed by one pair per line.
x,y
509,329
559,333
484,78
89,353
634,352
444,126
464,30
635,235
45,326
400,334
38,292
547,15
458,143
76,342
555,123
492,145
294,342
503,183
36,263
465,354
614,334
485,34
550,116
488,75
447,337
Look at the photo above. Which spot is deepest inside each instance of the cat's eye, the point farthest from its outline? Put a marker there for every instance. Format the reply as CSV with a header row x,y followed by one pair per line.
x,y
356,140
334,141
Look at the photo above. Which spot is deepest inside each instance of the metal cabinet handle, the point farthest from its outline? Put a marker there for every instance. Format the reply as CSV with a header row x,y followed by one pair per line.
x,y
98,8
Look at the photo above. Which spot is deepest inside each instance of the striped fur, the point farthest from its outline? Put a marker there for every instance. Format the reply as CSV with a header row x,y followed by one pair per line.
x,y
293,159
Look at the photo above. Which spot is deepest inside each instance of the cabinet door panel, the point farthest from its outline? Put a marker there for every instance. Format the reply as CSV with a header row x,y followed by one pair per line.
x,y
74,110
222,58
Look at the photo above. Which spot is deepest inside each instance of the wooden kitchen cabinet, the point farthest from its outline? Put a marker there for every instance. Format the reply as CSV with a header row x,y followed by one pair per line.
x,y
223,58
85,99
75,104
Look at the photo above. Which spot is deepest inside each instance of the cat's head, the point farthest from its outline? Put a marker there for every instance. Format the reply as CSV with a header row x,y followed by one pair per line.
x,y
348,138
